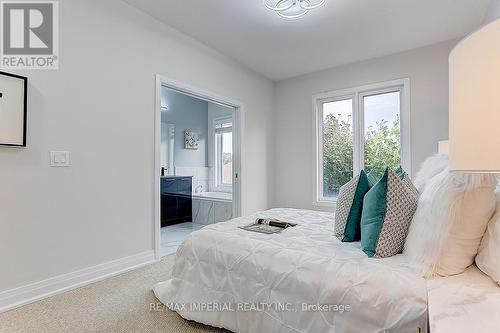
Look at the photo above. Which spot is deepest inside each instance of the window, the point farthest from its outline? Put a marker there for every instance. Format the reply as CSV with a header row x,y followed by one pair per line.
x,y
224,152
382,135
360,128
337,145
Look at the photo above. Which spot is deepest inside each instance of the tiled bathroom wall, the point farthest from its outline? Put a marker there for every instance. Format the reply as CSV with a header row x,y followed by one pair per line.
x,y
211,179
199,174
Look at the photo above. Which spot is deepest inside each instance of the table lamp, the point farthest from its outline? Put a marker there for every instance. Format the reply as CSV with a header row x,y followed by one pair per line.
x,y
475,102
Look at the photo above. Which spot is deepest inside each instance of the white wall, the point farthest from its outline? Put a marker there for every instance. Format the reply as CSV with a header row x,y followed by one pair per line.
x,y
427,69
99,106
493,12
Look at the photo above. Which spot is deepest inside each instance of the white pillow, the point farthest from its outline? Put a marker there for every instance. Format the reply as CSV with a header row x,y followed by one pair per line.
x,y
451,218
474,209
488,258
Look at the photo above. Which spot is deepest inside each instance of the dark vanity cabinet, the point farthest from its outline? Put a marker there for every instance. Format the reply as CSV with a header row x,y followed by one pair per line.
x,y
176,200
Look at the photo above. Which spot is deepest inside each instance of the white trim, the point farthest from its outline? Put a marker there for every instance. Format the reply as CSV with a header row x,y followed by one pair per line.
x,y
212,158
405,120
356,94
219,186
33,292
238,144
157,167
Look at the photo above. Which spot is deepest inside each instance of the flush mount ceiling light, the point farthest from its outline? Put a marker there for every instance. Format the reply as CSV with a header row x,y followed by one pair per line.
x,y
292,9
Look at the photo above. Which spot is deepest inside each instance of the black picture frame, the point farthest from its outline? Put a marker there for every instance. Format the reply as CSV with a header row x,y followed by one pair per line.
x,y
24,109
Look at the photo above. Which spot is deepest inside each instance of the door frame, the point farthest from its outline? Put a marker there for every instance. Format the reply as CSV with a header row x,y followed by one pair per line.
x,y
238,152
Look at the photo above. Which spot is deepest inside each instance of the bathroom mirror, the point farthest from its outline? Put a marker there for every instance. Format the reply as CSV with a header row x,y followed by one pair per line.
x,y
167,148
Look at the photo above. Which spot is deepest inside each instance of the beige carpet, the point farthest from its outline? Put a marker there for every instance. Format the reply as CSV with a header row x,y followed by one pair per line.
x,y
119,304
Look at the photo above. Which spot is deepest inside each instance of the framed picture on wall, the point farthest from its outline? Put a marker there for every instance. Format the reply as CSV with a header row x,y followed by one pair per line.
x,y
13,109
191,139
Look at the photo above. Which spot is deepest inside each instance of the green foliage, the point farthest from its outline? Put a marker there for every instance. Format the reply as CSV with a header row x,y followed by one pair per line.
x,y
382,149
337,154
227,158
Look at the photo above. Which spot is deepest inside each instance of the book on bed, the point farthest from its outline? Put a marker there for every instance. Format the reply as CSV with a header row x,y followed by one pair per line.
x,y
268,226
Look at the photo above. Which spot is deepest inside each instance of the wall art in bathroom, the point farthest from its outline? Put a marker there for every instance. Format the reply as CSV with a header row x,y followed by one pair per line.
x,y
191,139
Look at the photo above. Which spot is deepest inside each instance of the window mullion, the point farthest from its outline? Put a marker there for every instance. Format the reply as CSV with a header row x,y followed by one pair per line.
x,y
219,159
357,164
319,125
361,131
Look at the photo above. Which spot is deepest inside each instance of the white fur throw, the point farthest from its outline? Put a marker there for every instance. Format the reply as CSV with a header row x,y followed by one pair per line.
x,y
451,218
430,168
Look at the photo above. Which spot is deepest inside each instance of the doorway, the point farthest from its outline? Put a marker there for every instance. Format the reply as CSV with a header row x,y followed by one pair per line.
x,y
197,161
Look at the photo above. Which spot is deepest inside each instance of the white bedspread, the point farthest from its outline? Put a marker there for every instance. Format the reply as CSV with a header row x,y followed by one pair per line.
x,y
261,282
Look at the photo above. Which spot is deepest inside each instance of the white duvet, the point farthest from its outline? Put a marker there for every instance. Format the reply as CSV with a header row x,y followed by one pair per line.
x,y
300,280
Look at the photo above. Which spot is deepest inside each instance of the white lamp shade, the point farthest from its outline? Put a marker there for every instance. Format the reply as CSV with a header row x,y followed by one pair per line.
x,y
444,147
475,102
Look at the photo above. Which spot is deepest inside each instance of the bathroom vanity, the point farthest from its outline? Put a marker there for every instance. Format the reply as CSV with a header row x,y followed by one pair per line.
x,y
176,200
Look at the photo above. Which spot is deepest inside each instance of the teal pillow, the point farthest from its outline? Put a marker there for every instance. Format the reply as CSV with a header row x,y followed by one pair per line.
x,y
388,209
349,208
372,178
400,172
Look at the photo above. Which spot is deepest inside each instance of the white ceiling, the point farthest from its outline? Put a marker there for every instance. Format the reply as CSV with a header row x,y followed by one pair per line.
x,y
340,32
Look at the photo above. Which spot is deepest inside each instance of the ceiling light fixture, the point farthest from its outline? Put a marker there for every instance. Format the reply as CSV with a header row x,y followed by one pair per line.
x,y
292,9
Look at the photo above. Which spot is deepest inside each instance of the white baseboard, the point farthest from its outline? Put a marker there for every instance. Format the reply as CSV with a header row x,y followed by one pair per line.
x,y
32,292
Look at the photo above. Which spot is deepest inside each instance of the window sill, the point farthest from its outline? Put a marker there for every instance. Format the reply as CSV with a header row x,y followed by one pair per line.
x,y
225,189
325,203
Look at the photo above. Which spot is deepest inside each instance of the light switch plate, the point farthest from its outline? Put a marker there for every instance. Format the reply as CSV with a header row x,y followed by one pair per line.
x,y
59,159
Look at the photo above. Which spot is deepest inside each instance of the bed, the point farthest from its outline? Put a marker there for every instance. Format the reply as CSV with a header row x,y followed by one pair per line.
x,y
301,280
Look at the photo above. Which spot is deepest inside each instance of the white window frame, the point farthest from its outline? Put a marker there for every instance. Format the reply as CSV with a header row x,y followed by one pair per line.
x,y
357,94
219,186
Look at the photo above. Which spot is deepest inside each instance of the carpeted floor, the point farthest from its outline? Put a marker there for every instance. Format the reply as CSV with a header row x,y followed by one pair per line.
x,y
119,304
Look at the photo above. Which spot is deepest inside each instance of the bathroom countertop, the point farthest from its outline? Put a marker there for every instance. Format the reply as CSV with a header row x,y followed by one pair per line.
x,y
176,176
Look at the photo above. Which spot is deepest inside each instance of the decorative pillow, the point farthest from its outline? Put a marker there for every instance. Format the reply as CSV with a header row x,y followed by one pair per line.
x,y
488,258
451,218
387,212
373,179
349,207
400,172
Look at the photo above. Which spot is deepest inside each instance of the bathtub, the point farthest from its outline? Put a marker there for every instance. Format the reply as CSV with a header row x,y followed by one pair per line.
x,y
225,196
212,207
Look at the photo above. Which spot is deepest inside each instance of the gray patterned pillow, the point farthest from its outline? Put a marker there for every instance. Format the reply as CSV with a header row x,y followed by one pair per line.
x,y
349,208
388,209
